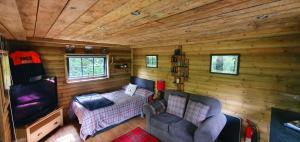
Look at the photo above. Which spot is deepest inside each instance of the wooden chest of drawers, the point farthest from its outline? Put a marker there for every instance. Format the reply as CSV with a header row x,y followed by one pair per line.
x,y
37,130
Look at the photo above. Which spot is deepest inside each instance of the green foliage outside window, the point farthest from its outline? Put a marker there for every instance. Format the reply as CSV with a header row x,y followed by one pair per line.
x,y
86,67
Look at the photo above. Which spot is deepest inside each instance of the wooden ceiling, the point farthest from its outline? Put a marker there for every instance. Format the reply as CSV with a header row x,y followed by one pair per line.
x,y
161,22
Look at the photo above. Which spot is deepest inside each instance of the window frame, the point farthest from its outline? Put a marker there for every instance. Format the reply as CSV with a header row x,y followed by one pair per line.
x,y
84,79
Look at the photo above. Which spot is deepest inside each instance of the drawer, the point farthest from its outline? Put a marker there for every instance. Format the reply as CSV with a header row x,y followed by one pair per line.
x,y
44,130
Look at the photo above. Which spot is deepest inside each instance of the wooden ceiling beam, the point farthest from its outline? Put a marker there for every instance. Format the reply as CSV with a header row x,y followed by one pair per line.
x,y
11,20
78,43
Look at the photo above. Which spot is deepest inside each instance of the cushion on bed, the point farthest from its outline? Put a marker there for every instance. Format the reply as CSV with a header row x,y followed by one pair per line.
x,y
130,89
93,101
143,92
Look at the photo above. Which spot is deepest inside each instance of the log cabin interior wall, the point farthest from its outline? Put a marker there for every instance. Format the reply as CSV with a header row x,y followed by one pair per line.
x,y
53,56
264,32
269,75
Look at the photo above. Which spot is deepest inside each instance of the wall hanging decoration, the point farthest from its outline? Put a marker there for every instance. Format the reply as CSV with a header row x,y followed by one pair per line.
x,y
179,68
151,61
225,63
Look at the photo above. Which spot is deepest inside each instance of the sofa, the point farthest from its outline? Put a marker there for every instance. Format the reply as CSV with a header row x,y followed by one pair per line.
x,y
171,128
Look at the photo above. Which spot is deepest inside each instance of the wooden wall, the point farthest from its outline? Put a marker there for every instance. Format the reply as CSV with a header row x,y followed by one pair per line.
x,y
269,75
54,63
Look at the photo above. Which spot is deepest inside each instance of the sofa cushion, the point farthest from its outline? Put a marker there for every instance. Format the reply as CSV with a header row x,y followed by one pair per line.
x,y
162,121
214,104
196,112
183,130
176,105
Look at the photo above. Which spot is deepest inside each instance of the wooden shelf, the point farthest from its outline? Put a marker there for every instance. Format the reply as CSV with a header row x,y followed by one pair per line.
x,y
179,68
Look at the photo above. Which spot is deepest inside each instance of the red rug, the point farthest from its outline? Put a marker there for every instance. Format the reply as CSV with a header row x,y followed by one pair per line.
x,y
136,135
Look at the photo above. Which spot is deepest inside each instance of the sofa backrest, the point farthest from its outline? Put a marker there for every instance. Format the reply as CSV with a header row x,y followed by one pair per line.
x,y
174,92
214,104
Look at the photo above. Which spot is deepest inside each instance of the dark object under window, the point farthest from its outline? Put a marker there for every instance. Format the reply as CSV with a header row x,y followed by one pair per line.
x,y
82,67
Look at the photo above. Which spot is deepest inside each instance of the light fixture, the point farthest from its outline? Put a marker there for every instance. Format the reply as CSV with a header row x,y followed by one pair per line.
x,y
88,49
100,28
70,49
136,13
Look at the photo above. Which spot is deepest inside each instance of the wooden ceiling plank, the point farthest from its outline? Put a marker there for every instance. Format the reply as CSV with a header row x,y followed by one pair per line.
x,y
100,9
215,10
118,13
155,11
253,11
266,30
73,10
275,12
5,33
11,20
28,12
48,12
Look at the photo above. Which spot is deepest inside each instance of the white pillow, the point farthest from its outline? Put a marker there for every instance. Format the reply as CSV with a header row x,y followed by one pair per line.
x,y
130,89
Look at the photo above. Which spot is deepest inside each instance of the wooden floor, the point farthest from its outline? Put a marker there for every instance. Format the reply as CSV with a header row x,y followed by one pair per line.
x,y
70,132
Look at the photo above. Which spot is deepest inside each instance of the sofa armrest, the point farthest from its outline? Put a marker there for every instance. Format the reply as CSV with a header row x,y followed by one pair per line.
x,y
210,129
150,110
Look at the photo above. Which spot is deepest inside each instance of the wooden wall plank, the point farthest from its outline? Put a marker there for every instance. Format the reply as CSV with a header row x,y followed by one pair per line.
x,y
48,12
269,75
10,18
54,63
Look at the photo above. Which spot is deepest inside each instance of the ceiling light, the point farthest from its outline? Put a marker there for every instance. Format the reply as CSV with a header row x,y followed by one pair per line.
x,y
136,13
100,28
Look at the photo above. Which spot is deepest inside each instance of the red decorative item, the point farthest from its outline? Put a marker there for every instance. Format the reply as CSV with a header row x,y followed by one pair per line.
x,y
160,85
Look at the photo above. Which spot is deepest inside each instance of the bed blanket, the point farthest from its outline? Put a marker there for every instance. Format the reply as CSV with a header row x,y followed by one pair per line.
x,y
124,108
93,101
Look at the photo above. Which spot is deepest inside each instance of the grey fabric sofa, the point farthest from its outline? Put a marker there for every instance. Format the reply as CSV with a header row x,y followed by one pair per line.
x,y
171,128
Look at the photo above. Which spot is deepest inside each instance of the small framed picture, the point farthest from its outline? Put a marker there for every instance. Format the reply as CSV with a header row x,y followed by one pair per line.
x,y
151,61
225,64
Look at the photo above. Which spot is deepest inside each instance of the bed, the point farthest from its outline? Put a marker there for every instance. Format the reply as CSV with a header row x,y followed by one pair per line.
x,y
124,108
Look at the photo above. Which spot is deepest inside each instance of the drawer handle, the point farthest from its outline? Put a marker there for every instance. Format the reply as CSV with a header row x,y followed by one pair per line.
x,y
39,134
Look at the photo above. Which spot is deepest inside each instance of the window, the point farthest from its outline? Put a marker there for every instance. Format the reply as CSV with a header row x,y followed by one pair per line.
x,y
86,67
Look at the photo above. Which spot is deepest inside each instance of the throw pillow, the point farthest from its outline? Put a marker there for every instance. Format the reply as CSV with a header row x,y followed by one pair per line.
x,y
143,92
130,89
176,105
196,112
158,107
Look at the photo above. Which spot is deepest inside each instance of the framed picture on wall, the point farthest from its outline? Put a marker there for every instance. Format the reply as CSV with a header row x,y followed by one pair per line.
x,y
151,61
225,64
